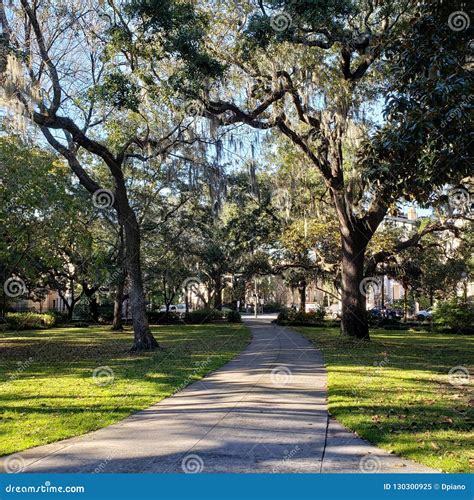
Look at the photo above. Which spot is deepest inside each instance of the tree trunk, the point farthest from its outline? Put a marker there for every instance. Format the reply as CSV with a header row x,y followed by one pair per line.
x,y
302,291
117,324
218,293
69,307
354,313
89,292
143,338
70,312
94,308
186,300
405,302
383,291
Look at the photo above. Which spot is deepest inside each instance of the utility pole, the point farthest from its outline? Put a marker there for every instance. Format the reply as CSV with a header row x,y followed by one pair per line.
x,y
383,291
256,299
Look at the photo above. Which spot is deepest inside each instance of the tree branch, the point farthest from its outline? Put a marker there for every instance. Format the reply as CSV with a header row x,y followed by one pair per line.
x,y
45,57
381,256
84,178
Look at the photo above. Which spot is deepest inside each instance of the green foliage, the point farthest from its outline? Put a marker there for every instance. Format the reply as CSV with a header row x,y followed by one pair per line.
x,y
292,317
389,323
119,90
298,15
106,313
163,318
39,198
283,315
304,235
30,320
233,317
176,30
433,270
310,317
308,240
33,193
425,140
200,316
454,315
61,317
248,212
273,307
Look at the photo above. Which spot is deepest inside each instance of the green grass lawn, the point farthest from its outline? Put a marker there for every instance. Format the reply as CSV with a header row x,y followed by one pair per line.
x,y
47,388
395,391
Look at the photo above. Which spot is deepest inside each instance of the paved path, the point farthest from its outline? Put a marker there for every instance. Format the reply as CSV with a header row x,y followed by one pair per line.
x,y
265,411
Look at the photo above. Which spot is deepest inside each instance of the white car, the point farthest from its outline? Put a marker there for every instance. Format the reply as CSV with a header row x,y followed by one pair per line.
x,y
175,308
334,311
424,314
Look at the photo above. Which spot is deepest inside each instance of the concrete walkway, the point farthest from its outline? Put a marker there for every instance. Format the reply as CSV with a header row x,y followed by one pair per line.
x,y
265,411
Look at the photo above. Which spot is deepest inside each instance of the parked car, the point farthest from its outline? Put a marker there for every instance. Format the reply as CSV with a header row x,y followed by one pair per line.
x,y
334,311
375,313
424,314
398,313
392,313
175,308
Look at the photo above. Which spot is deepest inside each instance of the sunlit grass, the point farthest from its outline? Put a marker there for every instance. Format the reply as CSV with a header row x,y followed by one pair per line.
x,y
48,393
395,391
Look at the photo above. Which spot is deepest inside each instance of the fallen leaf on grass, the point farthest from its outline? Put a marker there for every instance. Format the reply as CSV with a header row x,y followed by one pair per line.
x,y
447,420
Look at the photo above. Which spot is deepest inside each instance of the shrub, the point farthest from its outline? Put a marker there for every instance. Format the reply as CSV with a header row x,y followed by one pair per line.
x,y
298,317
80,324
233,317
309,317
399,326
422,317
163,318
273,307
81,312
60,316
106,313
30,320
454,315
203,316
283,315
384,322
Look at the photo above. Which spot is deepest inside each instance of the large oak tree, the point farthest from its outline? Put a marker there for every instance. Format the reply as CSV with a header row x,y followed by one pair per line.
x,y
76,69
316,72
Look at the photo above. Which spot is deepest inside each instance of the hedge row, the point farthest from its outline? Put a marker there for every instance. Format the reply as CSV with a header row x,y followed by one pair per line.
x,y
194,317
455,316
30,320
300,318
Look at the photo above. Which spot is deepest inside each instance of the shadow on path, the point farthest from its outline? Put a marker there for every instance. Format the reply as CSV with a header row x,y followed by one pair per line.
x,y
265,411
